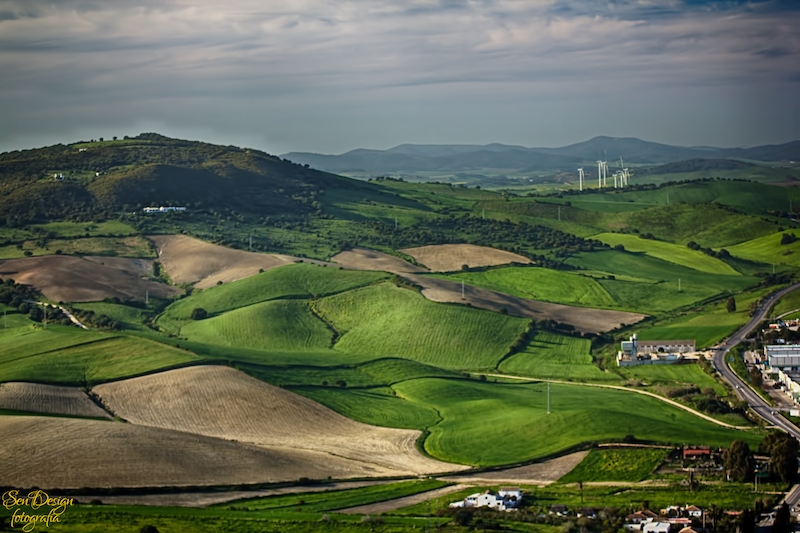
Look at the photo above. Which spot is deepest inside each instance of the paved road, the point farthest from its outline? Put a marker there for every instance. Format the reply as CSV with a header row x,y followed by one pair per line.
x,y
756,402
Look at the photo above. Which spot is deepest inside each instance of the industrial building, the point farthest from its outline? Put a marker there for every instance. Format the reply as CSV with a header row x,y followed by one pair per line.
x,y
783,356
634,352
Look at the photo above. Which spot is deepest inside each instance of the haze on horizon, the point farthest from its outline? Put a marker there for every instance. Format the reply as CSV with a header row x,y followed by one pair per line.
x,y
328,77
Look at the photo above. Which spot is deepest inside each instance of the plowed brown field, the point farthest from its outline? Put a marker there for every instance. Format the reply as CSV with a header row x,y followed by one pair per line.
x,y
222,402
450,257
72,453
38,398
64,278
366,259
189,260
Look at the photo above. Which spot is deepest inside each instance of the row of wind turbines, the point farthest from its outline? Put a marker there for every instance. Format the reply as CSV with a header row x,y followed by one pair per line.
x,y
621,177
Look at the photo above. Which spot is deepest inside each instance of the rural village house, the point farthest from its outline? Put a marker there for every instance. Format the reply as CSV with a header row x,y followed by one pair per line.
x,y
505,499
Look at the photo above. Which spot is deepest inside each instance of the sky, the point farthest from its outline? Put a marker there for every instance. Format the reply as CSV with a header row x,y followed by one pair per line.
x,y
328,76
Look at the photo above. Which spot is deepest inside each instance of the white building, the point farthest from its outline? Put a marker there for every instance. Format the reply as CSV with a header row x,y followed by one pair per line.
x,y
163,209
783,356
505,499
635,352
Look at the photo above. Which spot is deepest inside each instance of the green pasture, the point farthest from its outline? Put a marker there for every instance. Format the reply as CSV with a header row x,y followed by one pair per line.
x,y
667,251
66,355
540,284
380,406
487,424
710,226
552,356
616,464
14,320
107,228
677,374
788,303
129,317
707,325
769,250
124,246
385,320
279,325
298,281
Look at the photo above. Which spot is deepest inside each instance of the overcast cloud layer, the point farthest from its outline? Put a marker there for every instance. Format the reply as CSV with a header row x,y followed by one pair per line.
x,y
331,75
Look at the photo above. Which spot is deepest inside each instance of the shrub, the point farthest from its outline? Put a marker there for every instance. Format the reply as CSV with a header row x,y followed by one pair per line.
x,y
198,313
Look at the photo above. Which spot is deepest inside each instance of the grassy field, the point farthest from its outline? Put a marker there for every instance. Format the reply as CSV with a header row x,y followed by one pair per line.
x,y
125,246
769,250
280,325
540,284
316,502
129,317
553,356
788,303
478,416
650,285
299,281
708,325
109,228
678,374
384,320
66,355
616,464
667,251
378,406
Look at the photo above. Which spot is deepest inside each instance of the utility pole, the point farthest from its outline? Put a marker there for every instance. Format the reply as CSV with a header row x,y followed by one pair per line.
x,y
559,213
679,284
251,242
462,289
146,297
395,223
548,396
45,315
483,213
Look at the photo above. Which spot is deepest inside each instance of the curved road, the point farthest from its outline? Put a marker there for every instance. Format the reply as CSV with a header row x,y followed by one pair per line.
x,y
756,402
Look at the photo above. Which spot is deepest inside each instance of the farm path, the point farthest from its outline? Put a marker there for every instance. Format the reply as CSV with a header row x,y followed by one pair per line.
x,y
204,499
646,393
542,473
399,503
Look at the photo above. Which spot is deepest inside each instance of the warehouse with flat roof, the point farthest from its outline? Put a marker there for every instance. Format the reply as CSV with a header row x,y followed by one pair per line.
x,y
783,356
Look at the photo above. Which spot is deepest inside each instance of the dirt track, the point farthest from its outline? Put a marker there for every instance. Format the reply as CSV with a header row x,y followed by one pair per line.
x,y
65,278
38,398
584,319
533,474
222,402
399,503
451,257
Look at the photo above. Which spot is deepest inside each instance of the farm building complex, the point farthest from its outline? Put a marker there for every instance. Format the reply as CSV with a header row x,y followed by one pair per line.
x,y
635,352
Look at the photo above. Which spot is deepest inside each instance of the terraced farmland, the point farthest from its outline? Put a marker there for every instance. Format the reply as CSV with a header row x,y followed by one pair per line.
x,y
384,320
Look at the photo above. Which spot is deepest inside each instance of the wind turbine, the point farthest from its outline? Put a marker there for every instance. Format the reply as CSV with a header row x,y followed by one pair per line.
x,y
600,174
580,178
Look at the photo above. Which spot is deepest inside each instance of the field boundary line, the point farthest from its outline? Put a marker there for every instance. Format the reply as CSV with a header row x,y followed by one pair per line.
x,y
646,393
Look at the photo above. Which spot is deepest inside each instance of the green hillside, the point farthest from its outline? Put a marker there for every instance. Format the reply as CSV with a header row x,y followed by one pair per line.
x,y
552,356
384,320
271,326
297,281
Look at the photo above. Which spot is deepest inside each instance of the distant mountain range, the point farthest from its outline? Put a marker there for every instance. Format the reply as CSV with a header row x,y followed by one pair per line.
x,y
407,158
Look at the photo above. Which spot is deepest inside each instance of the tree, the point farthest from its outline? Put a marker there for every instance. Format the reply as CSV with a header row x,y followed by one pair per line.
x,y
731,305
738,461
788,238
756,378
198,313
782,449
782,523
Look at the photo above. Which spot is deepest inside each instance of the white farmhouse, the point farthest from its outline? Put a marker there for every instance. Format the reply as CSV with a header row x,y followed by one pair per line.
x,y
505,499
